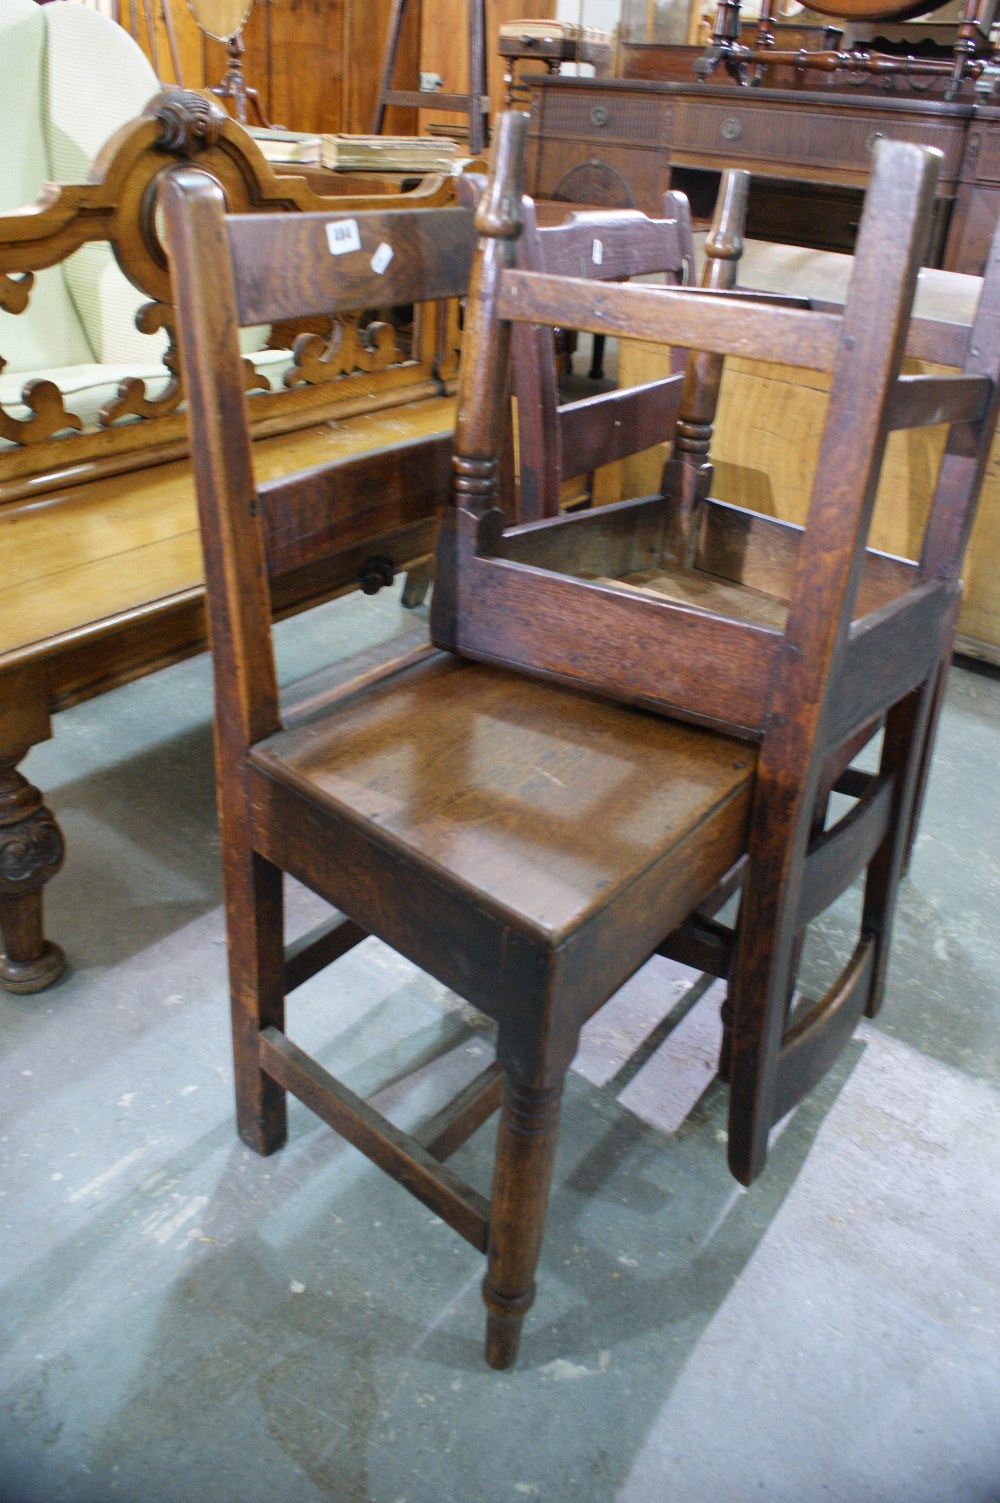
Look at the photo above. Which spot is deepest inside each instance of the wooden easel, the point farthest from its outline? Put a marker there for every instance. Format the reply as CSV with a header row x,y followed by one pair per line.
x,y
475,104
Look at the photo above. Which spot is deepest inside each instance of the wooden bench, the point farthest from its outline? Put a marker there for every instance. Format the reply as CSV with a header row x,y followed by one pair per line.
x,y
100,561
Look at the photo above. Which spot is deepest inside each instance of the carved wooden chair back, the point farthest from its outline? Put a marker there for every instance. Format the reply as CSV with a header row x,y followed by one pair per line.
x,y
799,639
511,837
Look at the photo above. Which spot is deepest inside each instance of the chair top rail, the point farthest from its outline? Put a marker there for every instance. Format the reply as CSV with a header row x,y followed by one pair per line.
x,y
611,246
665,315
334,263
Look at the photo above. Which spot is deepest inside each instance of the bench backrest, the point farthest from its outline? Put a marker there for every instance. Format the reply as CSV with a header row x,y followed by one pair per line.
x,y
124,407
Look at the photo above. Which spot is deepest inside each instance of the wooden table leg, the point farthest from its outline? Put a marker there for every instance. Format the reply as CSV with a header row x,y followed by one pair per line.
x,y
31,843
31,851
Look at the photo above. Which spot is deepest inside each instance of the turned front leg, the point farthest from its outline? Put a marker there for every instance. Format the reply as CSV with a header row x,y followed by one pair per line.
x,y
526,1148
31,851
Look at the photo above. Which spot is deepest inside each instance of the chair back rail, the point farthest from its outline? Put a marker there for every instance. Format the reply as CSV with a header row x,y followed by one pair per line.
x,y
388,255
696,320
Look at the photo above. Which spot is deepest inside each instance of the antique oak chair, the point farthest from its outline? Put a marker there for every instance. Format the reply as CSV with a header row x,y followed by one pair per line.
x,y
798,640
526,844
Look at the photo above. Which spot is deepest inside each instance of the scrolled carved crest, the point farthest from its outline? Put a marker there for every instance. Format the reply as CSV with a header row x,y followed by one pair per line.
x,y
348,347
189,122
44,401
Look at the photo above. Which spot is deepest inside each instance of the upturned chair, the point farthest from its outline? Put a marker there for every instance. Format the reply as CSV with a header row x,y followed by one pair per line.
x,y
557,440
799,641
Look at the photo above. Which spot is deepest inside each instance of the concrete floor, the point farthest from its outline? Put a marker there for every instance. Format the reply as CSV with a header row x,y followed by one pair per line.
x,y
180,1320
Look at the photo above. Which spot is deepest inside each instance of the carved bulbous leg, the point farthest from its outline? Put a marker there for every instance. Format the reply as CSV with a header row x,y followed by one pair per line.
x,y
526,1148
31,851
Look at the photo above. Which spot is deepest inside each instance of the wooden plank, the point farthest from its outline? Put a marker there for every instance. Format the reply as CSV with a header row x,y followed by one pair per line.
x,y
445,1133
942,343
645,651
813,1044
608,426
840,853
413,99
886,654
312,952
393,1150
925,401
287,267
336,504
668,316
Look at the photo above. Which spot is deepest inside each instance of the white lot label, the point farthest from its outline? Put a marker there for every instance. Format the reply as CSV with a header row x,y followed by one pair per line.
x,y
598,252
342,235
381,258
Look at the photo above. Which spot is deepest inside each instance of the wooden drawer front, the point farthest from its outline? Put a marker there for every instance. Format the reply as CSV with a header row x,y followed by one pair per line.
x,y
982,155
605,117
804,138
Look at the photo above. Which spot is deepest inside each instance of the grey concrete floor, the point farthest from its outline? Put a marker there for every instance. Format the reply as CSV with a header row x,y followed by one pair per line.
x,y
180,1320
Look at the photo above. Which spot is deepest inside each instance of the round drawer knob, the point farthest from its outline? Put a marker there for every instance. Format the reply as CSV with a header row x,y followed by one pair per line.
x,y
598,115
731,129
874,138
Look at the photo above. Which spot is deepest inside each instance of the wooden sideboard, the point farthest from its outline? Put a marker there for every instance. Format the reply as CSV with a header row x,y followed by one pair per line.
x,y
624,142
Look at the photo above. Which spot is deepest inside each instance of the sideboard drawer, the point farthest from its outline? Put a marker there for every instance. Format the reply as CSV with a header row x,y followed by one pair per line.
x,y
801,142
606,116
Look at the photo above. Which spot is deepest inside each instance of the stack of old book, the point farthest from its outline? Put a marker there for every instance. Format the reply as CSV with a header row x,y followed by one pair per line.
x,y
389,153
345,153
287,146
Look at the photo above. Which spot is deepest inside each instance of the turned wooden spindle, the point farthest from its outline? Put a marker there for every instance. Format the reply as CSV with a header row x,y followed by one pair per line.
x,y
525,1155
687,475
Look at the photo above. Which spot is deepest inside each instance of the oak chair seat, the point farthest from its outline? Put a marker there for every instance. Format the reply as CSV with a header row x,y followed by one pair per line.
x,y
557,810
702,592
757,596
